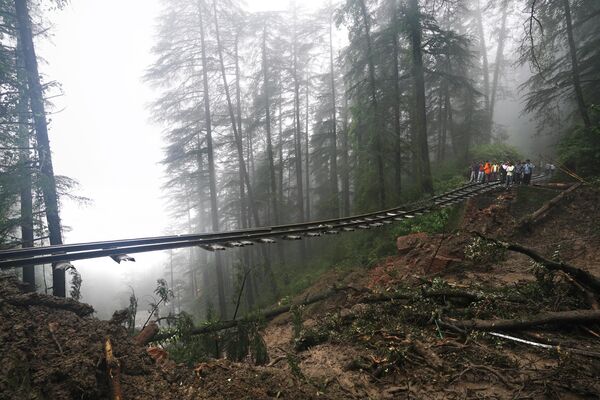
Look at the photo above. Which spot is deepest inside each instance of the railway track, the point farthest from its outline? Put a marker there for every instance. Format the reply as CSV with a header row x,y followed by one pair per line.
x,y
119,250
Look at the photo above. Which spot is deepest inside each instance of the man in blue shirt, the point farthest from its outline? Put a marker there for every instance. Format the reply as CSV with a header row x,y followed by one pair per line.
x,y
527,171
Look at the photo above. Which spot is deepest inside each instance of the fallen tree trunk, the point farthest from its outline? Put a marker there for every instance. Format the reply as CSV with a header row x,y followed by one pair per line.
x,y
266,315
371,298
578,274
558,317
527,221
36,299
147,334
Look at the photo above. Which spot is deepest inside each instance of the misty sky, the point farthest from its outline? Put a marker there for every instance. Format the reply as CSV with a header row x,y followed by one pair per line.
x,y
101,134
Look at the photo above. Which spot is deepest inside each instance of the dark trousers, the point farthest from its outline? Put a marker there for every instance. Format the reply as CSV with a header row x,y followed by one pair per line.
x,y
526,179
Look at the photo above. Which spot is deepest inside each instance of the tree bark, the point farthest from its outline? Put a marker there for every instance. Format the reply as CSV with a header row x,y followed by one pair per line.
x,y
423,166
333,172
499,60
36,97
375,123
575,66
396,105
237,134
268,127
212,180
345,160
297,128
26,200
557,317
485,71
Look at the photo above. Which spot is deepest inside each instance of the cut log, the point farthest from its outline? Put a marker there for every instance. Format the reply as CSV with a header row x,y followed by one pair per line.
x,y
113,367
147,334
548,318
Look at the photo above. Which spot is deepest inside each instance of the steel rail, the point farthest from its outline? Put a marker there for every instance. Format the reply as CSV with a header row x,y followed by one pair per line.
x,y
102,245
236,238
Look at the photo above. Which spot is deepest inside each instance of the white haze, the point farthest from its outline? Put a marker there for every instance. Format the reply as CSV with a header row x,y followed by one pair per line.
x,y
101,134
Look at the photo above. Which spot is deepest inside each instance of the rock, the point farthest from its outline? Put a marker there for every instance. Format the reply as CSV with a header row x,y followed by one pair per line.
x,y
408,242
441,262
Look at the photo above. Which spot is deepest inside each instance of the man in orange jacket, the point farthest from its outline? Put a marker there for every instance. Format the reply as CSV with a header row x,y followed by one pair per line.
x,y
487,169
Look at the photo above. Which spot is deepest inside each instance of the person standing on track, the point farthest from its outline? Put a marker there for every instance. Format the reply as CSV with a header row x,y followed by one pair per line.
x,y
481,173
495,169
474,171
503,167
510,170
527,171
487,170
518,173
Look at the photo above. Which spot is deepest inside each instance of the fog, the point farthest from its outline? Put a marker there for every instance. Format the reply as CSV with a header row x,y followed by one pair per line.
x,y
101,135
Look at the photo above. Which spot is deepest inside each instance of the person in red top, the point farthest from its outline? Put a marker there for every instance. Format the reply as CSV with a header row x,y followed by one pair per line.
x,y
487,169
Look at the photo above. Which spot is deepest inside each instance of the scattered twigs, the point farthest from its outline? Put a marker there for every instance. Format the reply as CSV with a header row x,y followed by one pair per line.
x,y
113,368
36,299
557,317
578,274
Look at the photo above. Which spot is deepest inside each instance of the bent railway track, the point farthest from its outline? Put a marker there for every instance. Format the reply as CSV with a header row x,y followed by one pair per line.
x,y
119,250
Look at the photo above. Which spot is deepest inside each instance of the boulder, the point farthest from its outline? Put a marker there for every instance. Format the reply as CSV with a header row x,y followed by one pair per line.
x,y
409,242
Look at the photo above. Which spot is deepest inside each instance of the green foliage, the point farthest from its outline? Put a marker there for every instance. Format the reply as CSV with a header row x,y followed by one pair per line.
x,y
131,312
483,251
75,291
187,348
495,151
580,150
297,324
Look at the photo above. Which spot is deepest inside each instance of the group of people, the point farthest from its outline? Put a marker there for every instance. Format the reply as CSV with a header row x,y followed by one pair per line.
x,y
507,172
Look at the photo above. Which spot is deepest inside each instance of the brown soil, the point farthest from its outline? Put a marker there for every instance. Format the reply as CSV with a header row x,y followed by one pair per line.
x,y
456,366
383,350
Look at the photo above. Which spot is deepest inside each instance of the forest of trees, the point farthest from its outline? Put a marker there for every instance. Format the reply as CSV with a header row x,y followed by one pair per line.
x,y
268,119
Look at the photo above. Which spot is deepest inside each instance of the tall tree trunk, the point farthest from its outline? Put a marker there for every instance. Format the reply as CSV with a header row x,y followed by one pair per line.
x,y
268,128
423,166
375,121
36,97
307,151
397,129
250,205
297,124
485,71
575,66
499,60
333,172
280,151
237,134
345,159
212,179
26,199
